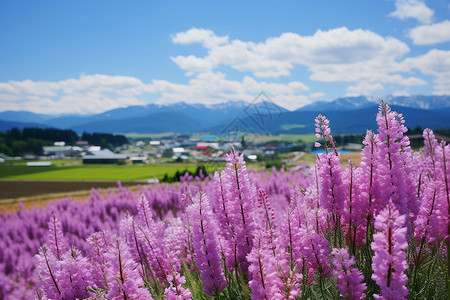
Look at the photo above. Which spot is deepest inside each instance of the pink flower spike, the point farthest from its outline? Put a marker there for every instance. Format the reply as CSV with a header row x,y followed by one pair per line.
x,y
241,199
122,275
47,269
176,291
57,242
389,262
323,130
265,282
205,231
395,173
349,279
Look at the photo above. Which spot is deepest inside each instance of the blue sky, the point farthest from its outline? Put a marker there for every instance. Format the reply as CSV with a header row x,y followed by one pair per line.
x,y
85,57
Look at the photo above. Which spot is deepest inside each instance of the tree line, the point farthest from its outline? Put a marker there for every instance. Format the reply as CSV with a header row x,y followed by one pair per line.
x,y
18,142
104,140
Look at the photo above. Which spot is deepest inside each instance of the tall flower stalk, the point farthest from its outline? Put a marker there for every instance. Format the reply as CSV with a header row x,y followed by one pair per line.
x,y
331,187
266,282
395,174
390,245
57,242
349,279
205,232
122,274
241,197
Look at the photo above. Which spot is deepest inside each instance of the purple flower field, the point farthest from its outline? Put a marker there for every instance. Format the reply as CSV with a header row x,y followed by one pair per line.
x,y
379,230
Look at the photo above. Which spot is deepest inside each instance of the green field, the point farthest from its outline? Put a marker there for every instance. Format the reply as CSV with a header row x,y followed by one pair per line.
x,y
292,126
289,138
95,172
307,138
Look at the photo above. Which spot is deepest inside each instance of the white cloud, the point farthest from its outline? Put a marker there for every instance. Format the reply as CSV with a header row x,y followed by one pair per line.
x,y
317,95
67,104
97,93
252,85
363,88
400,80
431,34
29,88
334,46
292,102
400,93
192,64
124,85
198,35
414,9
245,57
210,88
337,55
84,95
435,63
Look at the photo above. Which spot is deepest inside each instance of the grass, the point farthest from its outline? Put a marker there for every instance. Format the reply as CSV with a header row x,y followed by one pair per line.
x,y
75,171
310,159
15,172
55,162
290,138
306,138
292,126
95,172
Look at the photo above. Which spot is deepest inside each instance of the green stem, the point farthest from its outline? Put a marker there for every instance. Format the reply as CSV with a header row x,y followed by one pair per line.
x,y
416,266
321,287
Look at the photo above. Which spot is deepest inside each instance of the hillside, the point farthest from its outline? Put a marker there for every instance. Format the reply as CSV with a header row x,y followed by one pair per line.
x,y
350,114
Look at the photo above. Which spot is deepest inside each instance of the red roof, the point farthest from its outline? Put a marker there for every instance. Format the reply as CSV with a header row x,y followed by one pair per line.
x,y
201,147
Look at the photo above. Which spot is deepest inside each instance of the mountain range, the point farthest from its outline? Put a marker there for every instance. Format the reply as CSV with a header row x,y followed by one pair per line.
x,y
347,115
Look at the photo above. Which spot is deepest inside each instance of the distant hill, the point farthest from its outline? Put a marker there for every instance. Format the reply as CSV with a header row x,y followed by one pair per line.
x,y
347,115
350,103
420,101
6,125
24,117
357,120
154,123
